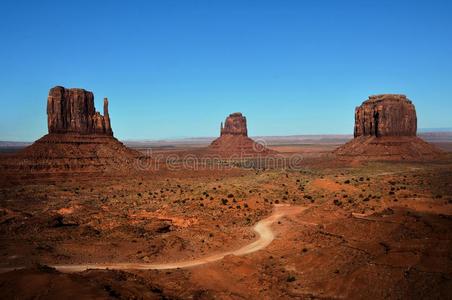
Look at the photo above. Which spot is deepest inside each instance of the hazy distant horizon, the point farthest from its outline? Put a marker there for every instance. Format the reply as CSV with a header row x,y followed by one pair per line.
x,y
182,138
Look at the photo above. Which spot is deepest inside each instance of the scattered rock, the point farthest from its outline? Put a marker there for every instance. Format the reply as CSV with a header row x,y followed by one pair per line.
x,y
60,221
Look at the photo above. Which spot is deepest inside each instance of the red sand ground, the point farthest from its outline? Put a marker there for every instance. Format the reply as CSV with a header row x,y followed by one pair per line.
x,y
370,231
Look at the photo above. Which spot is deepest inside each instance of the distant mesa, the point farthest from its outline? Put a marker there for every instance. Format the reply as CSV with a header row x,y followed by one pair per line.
x,y
234,139
385,129
79,138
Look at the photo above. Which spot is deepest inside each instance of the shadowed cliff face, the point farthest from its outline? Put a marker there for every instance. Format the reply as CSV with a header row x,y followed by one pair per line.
x,y
73,111
386,115
235,124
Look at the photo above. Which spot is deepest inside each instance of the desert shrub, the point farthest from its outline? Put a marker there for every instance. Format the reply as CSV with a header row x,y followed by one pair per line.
x,y
337,202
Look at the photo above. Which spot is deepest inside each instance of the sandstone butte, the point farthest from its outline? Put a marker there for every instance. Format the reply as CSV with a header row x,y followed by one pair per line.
x,y
385,129
72,111
79,138
234,141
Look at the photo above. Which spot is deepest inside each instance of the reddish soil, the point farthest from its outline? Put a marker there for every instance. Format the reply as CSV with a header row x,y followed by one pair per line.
x,y
396,148
370,231
237,146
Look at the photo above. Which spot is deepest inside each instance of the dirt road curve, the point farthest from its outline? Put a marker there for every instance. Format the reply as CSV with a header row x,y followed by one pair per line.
x,y
262,228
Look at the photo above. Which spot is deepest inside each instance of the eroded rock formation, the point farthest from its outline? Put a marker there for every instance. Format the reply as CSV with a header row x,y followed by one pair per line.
x,y
386,115
385,129
79,139
235,124
73,111
234,141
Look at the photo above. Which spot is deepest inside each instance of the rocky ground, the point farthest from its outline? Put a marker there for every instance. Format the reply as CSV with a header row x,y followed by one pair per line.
x,y
379,230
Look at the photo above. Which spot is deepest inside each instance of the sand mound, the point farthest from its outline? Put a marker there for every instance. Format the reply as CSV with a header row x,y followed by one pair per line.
x,y
388,148
238,145
72,152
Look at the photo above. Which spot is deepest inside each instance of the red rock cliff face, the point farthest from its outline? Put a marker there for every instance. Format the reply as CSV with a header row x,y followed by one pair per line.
x,y
386,115
235,124
73,111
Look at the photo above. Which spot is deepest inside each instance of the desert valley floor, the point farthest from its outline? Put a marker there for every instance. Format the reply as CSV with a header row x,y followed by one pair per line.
x,y
357,230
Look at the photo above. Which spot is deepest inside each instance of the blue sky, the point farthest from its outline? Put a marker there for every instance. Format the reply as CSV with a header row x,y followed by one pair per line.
x,y
178,68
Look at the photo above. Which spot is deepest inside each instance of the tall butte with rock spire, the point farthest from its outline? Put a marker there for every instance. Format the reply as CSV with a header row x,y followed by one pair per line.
x,y
385,129
72,111
234,140
79,138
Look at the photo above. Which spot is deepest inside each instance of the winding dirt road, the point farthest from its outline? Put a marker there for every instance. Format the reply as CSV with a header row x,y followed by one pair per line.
x,y
262,228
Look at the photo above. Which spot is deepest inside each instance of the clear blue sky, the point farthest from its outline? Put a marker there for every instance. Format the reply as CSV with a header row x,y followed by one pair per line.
x,y
178,68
